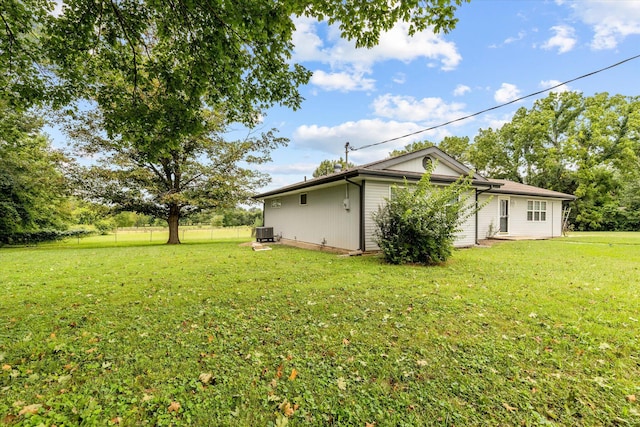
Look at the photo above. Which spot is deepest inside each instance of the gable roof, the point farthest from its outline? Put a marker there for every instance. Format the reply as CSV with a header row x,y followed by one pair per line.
x,y
384,169
433,152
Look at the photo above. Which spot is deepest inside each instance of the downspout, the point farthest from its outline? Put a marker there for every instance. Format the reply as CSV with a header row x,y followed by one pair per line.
x,y
477,194
361,213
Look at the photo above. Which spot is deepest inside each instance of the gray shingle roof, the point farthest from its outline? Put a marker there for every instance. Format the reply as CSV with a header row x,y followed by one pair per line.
x,y
511,187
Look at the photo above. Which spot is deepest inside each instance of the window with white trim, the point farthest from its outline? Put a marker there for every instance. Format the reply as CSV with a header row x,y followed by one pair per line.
x,y
536,210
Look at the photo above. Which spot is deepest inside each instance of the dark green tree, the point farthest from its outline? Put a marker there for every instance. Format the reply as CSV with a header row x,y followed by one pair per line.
x,y
327,167
409,148
33,189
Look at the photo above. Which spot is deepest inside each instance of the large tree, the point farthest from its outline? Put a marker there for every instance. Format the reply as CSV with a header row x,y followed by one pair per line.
x,y
201,171
155,72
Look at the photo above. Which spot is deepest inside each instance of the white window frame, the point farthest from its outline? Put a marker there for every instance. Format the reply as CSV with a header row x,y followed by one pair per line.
x,y
536,210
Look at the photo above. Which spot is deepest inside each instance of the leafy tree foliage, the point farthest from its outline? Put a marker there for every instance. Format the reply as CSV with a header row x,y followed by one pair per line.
x,y
22,60
201,171
239,216
33,190
327,167
418,224
414,146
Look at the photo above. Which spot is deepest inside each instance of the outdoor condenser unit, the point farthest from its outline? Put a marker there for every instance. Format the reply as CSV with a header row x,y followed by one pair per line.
x,y
264,234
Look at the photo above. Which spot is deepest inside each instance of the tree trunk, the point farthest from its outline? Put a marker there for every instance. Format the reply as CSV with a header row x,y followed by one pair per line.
x,y
174,216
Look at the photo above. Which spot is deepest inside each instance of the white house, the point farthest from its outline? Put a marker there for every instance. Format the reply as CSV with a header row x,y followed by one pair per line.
x,y
335,211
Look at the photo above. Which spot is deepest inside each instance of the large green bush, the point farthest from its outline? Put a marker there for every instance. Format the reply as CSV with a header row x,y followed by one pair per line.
x,y
418,224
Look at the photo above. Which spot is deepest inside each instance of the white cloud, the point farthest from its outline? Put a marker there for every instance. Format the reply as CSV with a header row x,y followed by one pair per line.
x,y
399,78
507,92
551,83
564,39
519,37
308,45
342,81
426,110
331,139
461,90
287,169
611,21
396,44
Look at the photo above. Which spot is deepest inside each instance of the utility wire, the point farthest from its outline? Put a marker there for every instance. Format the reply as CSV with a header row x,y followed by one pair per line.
x,y
495,107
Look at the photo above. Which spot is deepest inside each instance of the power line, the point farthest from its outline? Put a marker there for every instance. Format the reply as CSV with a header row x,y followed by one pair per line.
x,y
495,107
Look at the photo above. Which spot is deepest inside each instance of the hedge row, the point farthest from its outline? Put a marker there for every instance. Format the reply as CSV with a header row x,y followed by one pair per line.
x,y
39,236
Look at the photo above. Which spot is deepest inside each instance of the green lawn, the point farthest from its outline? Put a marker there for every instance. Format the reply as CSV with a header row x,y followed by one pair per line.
x,y
212,333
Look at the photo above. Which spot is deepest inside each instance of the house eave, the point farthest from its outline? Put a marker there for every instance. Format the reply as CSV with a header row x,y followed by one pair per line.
x,y
362,174
557,196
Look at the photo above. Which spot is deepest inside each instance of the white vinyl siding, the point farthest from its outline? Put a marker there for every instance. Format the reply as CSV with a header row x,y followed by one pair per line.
x,y
415,165
375,194
322,219
519,225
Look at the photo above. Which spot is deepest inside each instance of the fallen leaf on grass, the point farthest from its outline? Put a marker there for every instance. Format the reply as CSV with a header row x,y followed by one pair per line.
x,y
373,424
6,367
287,409
116,420
509,407
342,383
421,362
30,409
205,378
346,342
293,375
174,407
631,397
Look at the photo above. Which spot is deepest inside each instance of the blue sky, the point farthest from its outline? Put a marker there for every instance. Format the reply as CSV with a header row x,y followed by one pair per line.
x,y
500,50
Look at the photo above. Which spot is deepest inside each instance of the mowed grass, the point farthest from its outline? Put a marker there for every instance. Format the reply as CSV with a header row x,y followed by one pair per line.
x,y
520,333
187,234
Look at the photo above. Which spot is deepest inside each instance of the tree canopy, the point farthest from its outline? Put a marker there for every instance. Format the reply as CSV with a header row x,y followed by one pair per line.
x,y
202,171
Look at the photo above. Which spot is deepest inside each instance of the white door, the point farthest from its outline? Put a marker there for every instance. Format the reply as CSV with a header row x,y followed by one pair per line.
x,y
504,215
